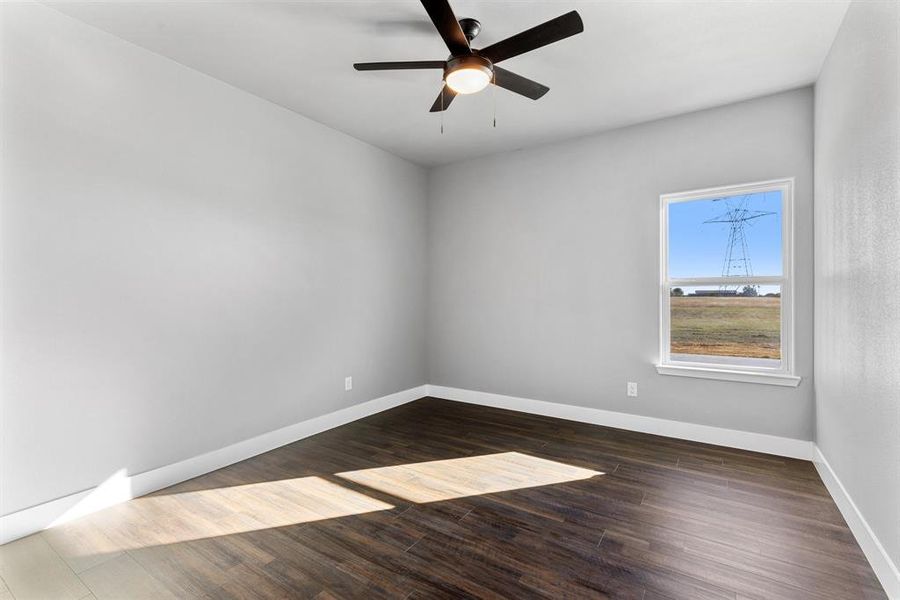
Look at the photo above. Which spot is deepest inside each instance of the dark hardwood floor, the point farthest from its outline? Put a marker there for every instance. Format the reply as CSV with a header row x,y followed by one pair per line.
x,y
522,506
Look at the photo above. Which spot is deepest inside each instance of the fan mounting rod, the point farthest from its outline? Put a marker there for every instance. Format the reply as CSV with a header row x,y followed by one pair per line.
x,y
471,28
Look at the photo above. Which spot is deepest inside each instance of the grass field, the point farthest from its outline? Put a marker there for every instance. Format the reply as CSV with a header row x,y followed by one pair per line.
x,y
742,326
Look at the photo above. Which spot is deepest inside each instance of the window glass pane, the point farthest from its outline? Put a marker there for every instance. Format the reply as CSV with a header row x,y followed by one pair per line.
x,y
730,326
732,236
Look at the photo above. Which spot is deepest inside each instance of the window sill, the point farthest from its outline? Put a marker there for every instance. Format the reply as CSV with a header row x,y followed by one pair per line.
x,y
729,375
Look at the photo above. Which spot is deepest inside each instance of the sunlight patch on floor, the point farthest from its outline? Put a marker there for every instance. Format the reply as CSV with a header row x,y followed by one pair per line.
x,y
469,476
175,517
180,517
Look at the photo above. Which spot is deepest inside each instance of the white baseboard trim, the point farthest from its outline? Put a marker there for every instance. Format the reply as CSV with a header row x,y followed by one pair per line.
x,y
732,438
884,567
123,487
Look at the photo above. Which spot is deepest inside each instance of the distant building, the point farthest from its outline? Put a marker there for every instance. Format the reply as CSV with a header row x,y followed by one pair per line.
x,y
715,293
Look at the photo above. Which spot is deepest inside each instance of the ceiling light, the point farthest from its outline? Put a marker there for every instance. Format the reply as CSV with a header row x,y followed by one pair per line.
x,y
468,75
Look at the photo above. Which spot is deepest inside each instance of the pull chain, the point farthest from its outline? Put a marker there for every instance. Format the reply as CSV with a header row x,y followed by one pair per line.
x,y
443,87
494,94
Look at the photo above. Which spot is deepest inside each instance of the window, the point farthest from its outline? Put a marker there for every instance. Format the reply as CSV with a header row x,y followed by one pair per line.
x,y
726,283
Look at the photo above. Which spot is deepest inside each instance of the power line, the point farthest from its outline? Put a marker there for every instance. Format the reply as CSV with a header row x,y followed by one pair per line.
x,y
736,262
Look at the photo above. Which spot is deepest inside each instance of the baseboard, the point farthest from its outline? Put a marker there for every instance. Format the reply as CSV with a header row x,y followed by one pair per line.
x,y
732,438
123,487
884,567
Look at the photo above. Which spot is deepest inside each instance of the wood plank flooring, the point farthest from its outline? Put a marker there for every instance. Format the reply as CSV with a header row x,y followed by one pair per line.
x,y
438,499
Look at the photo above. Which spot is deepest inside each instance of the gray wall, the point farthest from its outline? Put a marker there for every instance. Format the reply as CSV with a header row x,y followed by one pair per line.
x,y
184,265
857,227
544,264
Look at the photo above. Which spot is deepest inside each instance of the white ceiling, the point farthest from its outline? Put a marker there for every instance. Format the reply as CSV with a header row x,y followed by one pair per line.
x,y
636,61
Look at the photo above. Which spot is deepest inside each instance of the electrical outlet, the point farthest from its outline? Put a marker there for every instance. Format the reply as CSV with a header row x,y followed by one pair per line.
x,y
632,389
348,384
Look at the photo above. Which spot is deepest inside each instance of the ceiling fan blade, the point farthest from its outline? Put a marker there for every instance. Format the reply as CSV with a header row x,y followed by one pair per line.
x,y
448,96
553,30
409,64
518,84
448,26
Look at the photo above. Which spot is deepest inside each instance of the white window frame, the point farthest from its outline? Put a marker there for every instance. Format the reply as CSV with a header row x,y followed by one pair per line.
x,y
750,374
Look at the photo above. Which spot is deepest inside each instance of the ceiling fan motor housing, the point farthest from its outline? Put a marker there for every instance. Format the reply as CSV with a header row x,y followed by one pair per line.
x,y
473,61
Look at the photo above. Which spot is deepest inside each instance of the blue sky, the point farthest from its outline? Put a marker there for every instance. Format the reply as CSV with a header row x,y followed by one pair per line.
x,y
697,249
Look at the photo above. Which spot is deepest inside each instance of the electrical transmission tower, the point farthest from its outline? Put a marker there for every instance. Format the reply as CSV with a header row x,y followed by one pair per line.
x,y
737,258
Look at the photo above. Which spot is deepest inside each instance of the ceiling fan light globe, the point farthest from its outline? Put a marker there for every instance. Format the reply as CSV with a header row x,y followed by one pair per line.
x,y
468,80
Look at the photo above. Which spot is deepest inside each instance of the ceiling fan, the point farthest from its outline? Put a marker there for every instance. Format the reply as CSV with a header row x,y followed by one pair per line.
x,y
468,70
